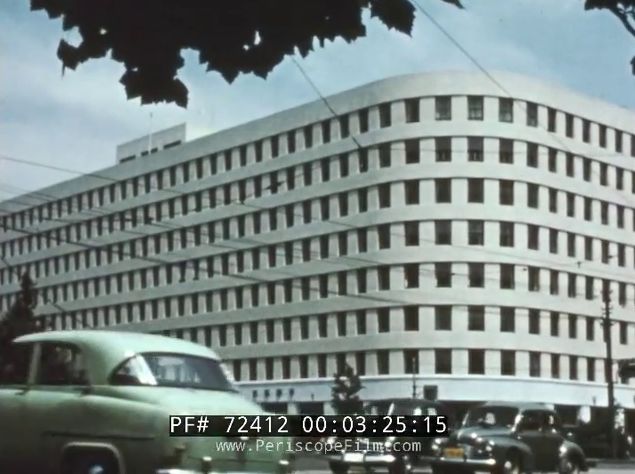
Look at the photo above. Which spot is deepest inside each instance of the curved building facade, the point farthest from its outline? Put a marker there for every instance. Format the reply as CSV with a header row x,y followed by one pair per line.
x,y
437,233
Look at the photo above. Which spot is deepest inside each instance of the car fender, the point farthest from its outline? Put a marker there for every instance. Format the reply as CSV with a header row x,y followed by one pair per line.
x,y
503,446
569,449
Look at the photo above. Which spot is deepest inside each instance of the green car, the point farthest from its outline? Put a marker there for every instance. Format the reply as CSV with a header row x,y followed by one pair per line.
x,y
508,438
98,402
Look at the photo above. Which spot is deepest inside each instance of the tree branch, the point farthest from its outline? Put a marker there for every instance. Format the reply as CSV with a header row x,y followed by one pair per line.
x,y
622,15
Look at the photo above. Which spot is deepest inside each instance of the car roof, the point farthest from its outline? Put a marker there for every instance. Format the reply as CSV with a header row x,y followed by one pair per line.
x,y
105,350
522,406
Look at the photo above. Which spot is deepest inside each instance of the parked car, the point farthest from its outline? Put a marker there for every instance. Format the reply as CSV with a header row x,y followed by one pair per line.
x,y
594,440
377,452
508,438
85,402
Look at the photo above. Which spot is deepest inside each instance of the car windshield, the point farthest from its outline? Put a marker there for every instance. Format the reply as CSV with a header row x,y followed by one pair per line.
x,y
173,370
491,416
400,408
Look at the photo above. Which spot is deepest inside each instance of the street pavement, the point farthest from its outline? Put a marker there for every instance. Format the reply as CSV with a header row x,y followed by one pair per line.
x,y
316,465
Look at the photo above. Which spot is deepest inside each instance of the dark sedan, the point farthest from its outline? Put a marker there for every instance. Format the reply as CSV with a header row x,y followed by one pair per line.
x,y
508,438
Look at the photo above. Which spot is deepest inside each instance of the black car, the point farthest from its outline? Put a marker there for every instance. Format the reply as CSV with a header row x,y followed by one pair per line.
x,y
378,452
508,438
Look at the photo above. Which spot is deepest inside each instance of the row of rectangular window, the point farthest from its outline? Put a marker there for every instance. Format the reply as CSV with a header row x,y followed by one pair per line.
x,y
226,194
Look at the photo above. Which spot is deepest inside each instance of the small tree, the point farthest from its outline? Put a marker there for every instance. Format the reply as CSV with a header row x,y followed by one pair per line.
x,y
20,319
344,393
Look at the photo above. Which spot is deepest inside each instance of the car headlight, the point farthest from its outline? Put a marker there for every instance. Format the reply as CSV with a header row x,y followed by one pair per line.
x,y
436,445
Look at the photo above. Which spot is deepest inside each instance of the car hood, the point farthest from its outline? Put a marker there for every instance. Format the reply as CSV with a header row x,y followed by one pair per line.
x,y
189,401
469,434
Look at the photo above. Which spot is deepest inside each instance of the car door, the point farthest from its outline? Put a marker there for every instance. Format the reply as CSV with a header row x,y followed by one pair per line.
x,y
53,415
552,440
529,431
15,372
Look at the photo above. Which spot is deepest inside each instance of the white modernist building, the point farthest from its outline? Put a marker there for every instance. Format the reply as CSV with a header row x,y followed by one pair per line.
x,y
433,230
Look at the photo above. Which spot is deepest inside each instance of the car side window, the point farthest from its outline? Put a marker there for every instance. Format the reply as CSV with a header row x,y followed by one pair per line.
x,y
552,422
14,368
61,364
530,421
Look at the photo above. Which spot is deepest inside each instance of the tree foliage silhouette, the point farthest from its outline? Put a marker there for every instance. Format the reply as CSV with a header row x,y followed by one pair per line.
x,y
231,36
345,392
19,319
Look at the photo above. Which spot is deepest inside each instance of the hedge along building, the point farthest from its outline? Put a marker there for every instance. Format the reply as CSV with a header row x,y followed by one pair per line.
x,y
430,223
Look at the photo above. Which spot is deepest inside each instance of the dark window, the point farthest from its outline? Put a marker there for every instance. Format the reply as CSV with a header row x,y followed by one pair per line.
x,y
476,232
443,190
532,195
508,363
532,155
384,195
532,114
443,108
443,273
551,119
476,361
506,238
573,326
534,321
586,131
590,329
363,120
411,275
534,364
384,155
411,318
476,318
476,275
383,320
360,320
412,110
411,191
507,319
554,319
443,361
443,318
569,125
506,192
443,232
505,110
443,148
383,277
475,107
411,361
411,233
552,164
383,362
507,280
475,190
506,151
385,117
475,149
555,366
413,152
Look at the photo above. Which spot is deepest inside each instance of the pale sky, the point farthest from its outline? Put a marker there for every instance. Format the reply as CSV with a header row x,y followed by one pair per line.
x,y
76,120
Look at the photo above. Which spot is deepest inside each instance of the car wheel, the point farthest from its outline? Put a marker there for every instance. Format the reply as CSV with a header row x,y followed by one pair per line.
x,y
569,466
338,467
90,462
511,465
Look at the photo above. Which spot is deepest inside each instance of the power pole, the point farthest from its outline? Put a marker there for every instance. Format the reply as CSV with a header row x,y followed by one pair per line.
x,y
607,323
